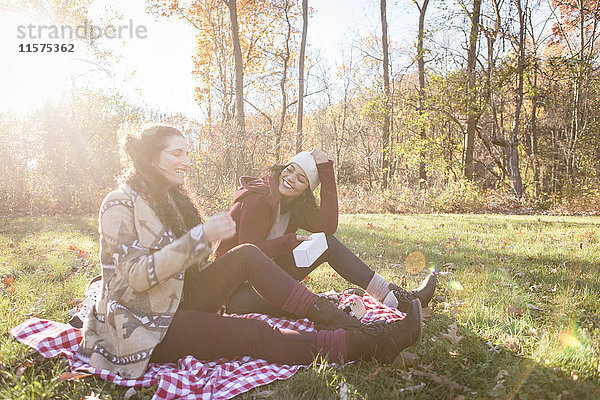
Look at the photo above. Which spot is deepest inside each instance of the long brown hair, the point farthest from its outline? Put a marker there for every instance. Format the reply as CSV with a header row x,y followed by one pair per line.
x,y
304,208
172,205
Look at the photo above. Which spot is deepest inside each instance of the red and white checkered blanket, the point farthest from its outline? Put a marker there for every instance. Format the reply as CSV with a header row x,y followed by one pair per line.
x,y
189,378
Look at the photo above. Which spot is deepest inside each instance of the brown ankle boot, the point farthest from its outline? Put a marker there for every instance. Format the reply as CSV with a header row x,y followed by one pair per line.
x,y
383,340
327,316
424,293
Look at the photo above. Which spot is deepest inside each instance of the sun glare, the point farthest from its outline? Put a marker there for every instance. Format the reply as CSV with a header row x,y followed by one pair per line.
x,y
29,78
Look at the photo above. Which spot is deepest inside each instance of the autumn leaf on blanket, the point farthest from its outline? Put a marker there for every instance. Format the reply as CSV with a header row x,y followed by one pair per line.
x,y
452,335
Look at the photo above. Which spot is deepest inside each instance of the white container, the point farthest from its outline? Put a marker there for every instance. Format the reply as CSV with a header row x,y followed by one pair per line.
x,y
308,251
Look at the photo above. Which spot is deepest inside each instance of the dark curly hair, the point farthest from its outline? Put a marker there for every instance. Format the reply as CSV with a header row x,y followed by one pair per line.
x,y
304,208
172,204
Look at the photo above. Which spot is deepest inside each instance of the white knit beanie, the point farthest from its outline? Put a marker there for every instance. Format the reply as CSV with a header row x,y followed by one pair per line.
x,y
306,161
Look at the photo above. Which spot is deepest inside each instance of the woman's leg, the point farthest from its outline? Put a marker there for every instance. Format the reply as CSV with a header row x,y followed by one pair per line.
x,y
208,336
350,267
208,289
246,300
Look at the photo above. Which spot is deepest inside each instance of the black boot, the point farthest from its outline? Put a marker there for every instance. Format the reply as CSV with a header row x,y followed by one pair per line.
x,y
424,293
383,340
327,316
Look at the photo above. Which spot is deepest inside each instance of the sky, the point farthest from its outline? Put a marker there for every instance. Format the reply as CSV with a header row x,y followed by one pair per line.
x,y
155,69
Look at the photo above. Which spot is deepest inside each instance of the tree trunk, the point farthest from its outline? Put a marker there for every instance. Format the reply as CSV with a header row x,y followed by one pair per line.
x,y
299,135
385,134
421,104
534,134
285,58
469,145
513,149
240,117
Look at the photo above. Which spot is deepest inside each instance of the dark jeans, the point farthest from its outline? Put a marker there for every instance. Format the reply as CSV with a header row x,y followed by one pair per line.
x,y
197,330
245,299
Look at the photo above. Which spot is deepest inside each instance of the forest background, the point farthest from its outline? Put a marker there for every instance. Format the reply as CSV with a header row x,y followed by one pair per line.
x,y
492,107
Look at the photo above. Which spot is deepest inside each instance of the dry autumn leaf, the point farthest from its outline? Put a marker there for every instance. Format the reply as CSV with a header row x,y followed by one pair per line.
x,y
452,335
8,280
514,311
21,368
414,262
69,376
374,374
443,380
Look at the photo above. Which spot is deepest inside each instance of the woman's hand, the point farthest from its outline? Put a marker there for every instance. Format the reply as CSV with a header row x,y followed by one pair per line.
x,y
219,226
303,238
319,156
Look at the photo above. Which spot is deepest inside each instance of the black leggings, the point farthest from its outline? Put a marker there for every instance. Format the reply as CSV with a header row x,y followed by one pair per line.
x,y
198,331
342,260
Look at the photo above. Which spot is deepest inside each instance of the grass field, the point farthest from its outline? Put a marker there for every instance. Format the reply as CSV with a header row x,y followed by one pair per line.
x,y
516,314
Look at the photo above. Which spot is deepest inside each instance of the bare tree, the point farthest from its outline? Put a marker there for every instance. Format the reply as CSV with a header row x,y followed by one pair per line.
x,y
299,116
421,102
240,117
513,150
385,134
471,111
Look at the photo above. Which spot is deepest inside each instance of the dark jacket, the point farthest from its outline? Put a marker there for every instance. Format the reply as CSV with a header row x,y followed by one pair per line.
x,y
255,207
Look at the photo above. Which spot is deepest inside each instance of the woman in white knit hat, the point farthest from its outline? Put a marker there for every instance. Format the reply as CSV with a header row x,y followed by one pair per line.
x,y
269,210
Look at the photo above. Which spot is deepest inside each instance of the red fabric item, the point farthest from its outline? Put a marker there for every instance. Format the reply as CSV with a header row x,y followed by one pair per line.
x,y
255,207
299,300
333,345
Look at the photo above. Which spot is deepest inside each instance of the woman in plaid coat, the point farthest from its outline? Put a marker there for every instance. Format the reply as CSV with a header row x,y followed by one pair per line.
x,y
160,297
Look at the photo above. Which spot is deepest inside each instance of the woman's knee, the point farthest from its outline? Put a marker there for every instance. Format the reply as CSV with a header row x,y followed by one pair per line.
x,y
246,250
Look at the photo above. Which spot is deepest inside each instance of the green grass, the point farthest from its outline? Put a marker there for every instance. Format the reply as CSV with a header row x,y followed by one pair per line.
x,y
528,286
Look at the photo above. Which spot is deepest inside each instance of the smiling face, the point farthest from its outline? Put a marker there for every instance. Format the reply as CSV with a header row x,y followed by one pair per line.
x,y
292,181
173,160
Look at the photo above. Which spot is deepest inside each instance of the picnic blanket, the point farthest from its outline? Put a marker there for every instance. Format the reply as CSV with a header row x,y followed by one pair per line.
x,y
189,378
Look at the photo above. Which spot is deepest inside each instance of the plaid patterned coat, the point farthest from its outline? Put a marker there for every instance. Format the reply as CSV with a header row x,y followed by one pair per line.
x,y
143,268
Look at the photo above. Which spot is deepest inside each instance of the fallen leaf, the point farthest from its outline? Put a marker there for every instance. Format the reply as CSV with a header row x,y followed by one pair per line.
x,y
494,349
8,280
443,380
265,394
452,334
407,360
344,391
91,396
514,311
501,374
22,368
129,393
426,312
409,389
513,346
75,301
450,266
69,376
533,307
574,376
374,374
